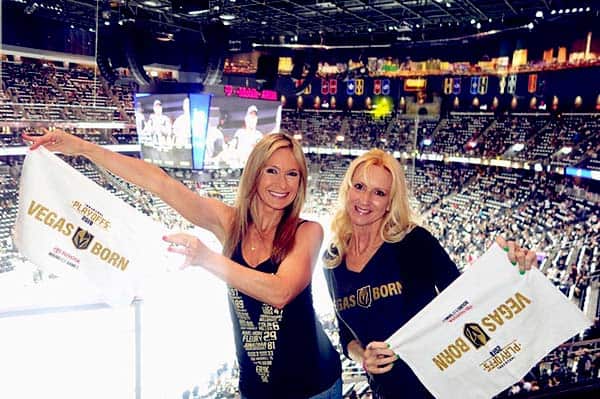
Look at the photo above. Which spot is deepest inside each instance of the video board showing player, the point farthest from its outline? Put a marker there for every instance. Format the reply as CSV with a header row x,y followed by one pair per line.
x,y
164,129
235,125
172,128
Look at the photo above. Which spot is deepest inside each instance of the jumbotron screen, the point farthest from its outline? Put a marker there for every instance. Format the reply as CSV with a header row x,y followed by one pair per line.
x,y
236,124
172,128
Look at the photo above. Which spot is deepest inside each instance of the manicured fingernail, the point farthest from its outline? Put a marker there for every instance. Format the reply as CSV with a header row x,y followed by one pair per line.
x,y
389,346
505,249
397,356
514,262
521,272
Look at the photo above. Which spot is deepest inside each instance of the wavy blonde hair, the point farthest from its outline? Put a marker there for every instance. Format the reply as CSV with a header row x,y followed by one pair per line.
x,y
399,221
246,204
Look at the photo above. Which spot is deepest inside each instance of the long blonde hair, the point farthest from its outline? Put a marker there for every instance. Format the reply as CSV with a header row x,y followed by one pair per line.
x,y
396,223
246,204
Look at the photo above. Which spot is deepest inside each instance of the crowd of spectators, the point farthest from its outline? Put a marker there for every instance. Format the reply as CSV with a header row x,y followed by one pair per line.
x,y
463,205
44,91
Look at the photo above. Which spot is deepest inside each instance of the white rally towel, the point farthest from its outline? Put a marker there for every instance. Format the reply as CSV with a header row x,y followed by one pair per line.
x,y
486,330
66,221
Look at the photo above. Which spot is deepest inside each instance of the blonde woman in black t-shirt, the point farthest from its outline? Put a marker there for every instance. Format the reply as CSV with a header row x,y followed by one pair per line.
x,y
383,269
268,257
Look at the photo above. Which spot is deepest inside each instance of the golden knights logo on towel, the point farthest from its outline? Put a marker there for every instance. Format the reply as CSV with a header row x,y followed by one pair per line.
x,y
81,239
476,335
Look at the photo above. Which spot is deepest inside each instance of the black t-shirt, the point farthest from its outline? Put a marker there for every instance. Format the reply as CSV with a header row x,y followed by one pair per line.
x,y
397,282
282,353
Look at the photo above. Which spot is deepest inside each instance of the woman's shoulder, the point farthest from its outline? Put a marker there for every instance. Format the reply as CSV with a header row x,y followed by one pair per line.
x,y
309,225
419,235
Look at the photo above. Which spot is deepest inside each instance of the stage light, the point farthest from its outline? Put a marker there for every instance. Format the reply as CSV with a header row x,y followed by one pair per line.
x,y
227,17
478,26
539,14
553,12
31,7
383,107
518,147
317,102
165,37
195,13
566,150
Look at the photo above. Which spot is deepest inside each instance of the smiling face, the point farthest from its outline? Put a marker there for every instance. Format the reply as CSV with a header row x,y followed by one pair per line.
x,y
279,180
368,197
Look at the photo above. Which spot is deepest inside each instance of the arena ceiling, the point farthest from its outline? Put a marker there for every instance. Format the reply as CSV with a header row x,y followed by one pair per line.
x,y
319,21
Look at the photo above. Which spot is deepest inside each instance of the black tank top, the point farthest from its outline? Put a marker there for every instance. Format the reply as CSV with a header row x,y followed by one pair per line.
x,y
282,353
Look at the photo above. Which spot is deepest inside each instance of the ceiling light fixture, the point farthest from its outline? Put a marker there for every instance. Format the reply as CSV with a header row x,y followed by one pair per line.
x,y
198,12
227,17
165,37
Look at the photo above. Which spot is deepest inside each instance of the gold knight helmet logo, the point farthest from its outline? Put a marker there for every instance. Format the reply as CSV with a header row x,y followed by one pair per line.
x,y
81,239
476,335
363,296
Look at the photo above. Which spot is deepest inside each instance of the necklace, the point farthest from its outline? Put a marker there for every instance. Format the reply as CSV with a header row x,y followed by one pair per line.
x,y
253,247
